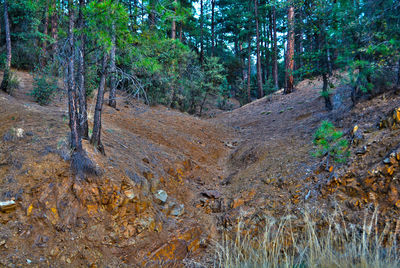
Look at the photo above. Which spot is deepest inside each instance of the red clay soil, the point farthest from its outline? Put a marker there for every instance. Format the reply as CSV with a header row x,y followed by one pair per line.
x,y
252,161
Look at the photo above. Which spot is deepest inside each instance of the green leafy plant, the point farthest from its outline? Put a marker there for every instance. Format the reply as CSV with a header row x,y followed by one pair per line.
x,y
44,88
330,142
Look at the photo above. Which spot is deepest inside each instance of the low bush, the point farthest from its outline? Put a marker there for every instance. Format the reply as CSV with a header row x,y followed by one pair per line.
x,y
44,88
330,142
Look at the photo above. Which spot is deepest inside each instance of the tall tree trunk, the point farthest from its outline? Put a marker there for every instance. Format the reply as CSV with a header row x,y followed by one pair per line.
x,y
76,142
83,119
152,14
112,97
54,27
324,65
80,162
242,64
289,80
181,32
325,92
134,14
202,103
275,53
45,33
7,70
201,33
96,136
398,74
249,70
266,55
212,27
301,33
173,25
259,77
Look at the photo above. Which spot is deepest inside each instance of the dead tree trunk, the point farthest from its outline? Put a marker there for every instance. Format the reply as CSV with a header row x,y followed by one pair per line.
x,y
289,80
259,76
83,119
7,70
96,139
112,97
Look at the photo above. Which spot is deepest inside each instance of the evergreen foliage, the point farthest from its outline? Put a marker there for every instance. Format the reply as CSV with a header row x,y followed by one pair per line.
x,y
330,142
44,87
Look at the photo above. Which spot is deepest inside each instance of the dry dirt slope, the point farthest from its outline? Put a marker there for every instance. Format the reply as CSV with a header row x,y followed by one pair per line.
x,y
121,217
254,160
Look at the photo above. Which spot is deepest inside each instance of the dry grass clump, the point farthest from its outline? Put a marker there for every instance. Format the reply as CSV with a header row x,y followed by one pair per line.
x,y
335,243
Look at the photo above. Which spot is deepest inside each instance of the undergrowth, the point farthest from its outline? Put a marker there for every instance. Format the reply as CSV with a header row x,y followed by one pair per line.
x,y
335,243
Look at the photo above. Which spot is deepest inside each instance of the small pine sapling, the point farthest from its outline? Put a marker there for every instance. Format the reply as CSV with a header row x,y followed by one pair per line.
x,y
330,143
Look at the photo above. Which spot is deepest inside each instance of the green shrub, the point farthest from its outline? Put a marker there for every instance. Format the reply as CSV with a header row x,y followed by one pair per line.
x,y
44,88
269,87
330,143
13,83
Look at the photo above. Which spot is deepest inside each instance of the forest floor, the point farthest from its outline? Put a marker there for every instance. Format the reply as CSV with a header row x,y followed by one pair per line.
x,y
173,183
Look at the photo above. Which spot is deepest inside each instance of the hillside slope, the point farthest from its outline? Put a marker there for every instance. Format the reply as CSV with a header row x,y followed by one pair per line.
x,y
172,182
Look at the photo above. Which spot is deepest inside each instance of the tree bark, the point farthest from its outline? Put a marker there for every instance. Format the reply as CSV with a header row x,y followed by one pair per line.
x,y
259,76
242,61
325,93
289,80
398,74
76,142
152,14
45,33
275,53
112,97
201,33
249,70
181,32
96,136
54,27
7,70
324,65
212,27
83,119
173,26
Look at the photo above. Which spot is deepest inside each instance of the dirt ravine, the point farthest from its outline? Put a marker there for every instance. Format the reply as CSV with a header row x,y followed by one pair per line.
x,y
172,182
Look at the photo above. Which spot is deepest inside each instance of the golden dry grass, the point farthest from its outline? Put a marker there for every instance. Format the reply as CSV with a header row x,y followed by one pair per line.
x,y
338,244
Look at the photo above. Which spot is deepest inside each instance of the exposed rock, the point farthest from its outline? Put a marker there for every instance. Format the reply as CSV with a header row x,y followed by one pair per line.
x,y
178,210
19,132
130,194
154,183
7,206
357,135
172,251
161,196
211,194
392,120
362,150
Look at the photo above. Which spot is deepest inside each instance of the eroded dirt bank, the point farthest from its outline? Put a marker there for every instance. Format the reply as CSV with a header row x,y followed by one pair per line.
x,y
171,182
